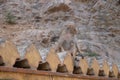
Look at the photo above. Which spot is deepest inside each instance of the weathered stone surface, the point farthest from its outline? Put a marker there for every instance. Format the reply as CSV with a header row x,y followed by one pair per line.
x,y
97,22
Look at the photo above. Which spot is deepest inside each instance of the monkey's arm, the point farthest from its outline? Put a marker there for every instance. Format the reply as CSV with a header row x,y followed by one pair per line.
x,y
58,45
77,48
79,51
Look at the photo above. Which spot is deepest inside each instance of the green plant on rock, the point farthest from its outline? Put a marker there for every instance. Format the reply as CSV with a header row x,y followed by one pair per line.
x,y
10,18
91,54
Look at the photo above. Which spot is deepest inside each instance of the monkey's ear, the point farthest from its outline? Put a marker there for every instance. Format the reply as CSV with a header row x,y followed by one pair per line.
x,y
75,31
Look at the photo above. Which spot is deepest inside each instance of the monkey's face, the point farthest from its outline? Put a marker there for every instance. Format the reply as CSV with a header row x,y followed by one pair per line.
x,y
72,29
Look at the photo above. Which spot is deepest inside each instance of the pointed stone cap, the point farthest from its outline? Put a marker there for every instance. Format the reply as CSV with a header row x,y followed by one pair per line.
x,y
115,70
106,68
9,53
53,60
95,66
68,61
84,65
33,56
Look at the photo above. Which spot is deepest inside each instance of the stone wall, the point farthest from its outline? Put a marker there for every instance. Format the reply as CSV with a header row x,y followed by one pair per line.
x,y
98,21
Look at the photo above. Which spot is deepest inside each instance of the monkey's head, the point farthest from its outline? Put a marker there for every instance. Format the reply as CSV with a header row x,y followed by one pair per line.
x,y
70,27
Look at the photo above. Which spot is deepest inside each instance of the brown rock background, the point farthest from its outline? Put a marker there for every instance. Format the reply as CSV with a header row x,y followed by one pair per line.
x,y
97,22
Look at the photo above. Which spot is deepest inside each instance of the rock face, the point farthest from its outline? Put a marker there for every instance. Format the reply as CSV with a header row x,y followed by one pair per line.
x,y
97,22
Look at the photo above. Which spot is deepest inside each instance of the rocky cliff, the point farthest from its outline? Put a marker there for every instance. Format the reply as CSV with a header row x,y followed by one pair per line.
x,y
97,22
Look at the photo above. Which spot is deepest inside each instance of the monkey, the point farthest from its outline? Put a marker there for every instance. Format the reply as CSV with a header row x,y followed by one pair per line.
x,y
68,41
